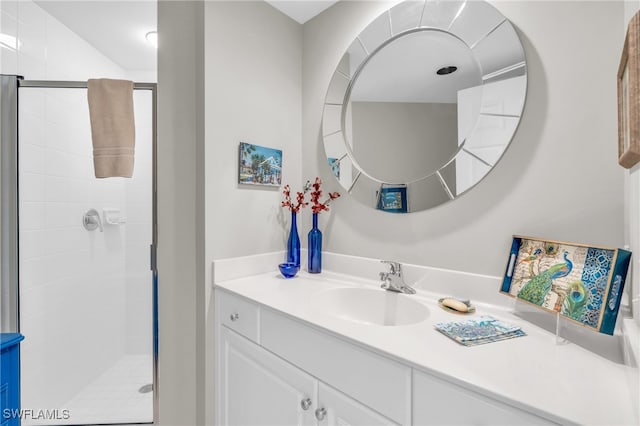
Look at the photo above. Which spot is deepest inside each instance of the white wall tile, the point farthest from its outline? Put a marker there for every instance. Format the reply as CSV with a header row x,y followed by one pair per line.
x,y
64,164
32,216
70,64
8,62
31,244
33,273
9,8
32,186
32,33
67,190
31,158
8,26
63,240
63,215
139,292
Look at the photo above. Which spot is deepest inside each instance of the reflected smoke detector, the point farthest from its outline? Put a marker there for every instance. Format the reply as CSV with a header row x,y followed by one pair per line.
x,y
146,388
446,70
152,38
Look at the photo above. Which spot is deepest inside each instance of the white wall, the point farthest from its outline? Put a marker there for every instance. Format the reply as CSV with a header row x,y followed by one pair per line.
x,y
559,179
253,90
181,223
401,142
78,289
632,203
398,141
253,93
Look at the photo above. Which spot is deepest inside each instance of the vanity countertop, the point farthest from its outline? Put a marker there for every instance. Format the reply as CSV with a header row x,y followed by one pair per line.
x,y
565,383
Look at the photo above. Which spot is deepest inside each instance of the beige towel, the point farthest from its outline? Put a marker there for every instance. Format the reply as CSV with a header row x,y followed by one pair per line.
x,y
112,126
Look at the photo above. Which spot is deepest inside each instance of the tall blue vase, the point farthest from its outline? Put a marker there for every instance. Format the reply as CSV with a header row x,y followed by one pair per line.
x,y
293,245
315,248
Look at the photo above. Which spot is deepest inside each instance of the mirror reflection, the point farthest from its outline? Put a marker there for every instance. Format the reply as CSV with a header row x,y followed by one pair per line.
x,y
402,108
415,118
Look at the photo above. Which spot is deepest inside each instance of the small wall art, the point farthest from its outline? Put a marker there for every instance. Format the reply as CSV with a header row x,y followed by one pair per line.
x,y
629,97
334,163
392,198
259,165
579,282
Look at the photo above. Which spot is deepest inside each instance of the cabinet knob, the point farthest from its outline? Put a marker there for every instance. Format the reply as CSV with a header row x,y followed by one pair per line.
x,y
305,403
320,413
234,316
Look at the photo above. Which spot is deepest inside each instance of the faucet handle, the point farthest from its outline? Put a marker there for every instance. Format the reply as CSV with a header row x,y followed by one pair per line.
x,y
396,267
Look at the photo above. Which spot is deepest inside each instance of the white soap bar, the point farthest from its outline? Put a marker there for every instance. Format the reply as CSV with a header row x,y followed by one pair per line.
x,y
455,304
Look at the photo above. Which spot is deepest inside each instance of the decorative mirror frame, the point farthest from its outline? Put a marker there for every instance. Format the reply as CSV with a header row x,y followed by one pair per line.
x,y
402,19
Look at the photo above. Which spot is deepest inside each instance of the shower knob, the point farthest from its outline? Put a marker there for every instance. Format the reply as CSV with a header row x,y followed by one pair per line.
x,y
91,220
321,413
305,403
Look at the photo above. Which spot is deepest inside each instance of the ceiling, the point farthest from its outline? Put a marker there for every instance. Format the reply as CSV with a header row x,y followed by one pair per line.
x,y
405,70
117,27
301,10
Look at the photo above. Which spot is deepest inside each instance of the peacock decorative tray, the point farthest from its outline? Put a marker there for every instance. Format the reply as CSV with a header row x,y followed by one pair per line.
x,y
581,283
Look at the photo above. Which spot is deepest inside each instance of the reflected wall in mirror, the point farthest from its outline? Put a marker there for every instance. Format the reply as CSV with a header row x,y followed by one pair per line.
x,y
427,98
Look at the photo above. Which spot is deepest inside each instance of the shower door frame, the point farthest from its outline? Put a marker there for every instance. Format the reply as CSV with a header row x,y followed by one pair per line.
x,y
153,87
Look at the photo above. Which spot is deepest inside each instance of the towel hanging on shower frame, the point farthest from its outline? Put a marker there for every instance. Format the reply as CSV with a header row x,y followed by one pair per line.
x,y
112,126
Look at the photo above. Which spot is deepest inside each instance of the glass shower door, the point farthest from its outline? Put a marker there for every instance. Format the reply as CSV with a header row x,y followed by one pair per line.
x,y
86,300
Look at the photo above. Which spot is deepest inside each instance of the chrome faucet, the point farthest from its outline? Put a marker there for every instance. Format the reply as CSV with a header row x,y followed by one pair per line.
x,y
393,281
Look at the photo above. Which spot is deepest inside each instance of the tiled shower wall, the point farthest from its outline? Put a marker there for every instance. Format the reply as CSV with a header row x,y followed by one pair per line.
x,y
72,284
85,296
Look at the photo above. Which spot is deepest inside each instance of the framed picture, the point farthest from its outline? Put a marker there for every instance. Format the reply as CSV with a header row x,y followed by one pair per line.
x,y
392,198
259,165
334,163
581,283
629,97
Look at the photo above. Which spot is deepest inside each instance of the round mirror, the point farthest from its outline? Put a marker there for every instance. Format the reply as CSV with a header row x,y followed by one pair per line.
x,y
424,103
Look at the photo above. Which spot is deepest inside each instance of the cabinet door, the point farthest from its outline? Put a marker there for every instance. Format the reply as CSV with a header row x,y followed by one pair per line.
x,y
335,408
436,402
258,388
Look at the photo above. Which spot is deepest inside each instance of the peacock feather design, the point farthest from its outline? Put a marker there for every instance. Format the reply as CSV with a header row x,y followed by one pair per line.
x,y
536,289
576,300
531,258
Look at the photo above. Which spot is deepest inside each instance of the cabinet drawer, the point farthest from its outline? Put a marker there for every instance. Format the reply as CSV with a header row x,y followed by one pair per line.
x,y
238,314
376,381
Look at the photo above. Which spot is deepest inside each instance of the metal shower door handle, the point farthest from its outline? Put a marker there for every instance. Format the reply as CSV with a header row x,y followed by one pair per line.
x,y
91,220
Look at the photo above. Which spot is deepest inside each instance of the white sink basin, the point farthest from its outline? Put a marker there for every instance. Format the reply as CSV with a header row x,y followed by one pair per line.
x,y
371,306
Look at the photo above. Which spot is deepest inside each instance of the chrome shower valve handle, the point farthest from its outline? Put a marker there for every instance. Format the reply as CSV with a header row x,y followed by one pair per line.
x,y
91,220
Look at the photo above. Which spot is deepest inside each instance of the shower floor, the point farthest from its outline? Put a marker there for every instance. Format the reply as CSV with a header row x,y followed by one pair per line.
x,y
113,397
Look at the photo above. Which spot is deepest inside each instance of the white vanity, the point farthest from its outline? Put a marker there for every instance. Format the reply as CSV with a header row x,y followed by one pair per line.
x,y
288,353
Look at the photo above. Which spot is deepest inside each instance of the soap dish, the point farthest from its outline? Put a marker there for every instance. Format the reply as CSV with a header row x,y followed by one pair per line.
x,y
470,308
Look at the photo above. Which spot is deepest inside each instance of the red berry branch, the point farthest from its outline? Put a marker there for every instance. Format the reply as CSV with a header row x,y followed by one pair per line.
x,y
316,194
299,203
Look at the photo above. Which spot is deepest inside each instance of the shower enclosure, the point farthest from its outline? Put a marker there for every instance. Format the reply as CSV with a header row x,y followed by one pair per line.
x,y
86,289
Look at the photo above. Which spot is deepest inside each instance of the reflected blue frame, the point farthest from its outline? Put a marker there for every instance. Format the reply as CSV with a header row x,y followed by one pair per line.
x,y
392,199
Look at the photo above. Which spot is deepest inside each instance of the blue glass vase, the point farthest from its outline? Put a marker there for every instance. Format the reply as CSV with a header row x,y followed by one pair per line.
x,y
314,264
293,245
